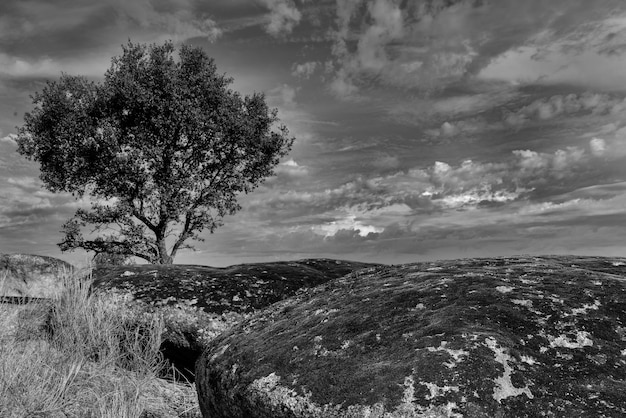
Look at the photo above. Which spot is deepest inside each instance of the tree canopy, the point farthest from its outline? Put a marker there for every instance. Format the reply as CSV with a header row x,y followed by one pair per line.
x,y
162,146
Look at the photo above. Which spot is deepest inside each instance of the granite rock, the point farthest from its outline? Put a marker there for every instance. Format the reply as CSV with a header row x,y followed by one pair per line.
x,y
498,337
200,302
26,275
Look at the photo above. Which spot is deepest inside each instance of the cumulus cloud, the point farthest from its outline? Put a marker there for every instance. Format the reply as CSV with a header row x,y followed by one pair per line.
x,y
349,223
284,16
9,139
291,169
305,70
598,146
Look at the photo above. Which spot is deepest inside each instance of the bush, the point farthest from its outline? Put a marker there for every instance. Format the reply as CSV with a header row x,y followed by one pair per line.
x,y
108,259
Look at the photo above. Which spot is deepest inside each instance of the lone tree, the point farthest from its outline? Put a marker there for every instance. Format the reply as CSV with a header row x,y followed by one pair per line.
x,y
163,146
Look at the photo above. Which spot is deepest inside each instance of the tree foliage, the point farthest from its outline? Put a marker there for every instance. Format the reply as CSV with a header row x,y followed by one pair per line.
x,y
162,145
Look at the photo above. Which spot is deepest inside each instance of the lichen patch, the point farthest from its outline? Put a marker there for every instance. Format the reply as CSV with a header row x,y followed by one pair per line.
x,y
504,289
456,355
585,308
437,391
503,386
580,340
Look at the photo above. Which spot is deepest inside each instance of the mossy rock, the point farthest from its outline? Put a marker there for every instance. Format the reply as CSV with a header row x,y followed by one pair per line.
x,y
500,337
28,275
200,302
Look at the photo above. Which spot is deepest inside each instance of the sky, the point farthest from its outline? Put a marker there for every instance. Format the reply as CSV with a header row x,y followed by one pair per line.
x,y
425,129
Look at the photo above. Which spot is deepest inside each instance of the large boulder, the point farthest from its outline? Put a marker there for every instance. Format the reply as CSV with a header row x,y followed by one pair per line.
x,y
200,302
502,337
26,275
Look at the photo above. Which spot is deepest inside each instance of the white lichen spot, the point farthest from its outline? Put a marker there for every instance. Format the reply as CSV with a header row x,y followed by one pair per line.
x,y
528,360
504,289
597,282
556,299
436,390
523,302
325,312
408,396
623,352
565,356
420,306
378,337
586,307
269,388
582,340
543,349
346,344
455,354
236,298
503,386
318,349
128,273
618,263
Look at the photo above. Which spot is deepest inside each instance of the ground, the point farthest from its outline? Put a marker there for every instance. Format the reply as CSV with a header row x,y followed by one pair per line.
x,y
500,337
200,302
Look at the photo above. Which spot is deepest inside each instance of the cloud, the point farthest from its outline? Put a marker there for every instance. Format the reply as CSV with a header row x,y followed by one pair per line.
x,y
598,146
19,67
547,108
9,139
305,70
284,16
589,54
291,169
178,20
429,45
349,223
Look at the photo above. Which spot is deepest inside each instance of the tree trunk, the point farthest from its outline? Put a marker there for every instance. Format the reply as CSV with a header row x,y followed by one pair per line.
x,y
164,258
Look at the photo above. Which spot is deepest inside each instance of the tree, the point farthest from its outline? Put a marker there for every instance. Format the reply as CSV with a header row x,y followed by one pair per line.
x,y
107,259
162,145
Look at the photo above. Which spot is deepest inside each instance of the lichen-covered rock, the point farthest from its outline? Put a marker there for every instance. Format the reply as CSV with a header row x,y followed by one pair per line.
x,y
200,302
502,337
26,275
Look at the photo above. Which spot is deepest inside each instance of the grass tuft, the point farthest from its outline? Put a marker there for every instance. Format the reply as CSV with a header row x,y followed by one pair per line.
x,y
84,354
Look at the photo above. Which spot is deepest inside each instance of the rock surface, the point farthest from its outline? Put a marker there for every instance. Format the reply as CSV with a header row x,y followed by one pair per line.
x,y
502,337
32,275
200,302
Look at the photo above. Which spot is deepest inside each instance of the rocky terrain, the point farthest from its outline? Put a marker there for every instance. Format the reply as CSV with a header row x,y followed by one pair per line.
x,y
200,302
240,288
27,275
501,337
197,303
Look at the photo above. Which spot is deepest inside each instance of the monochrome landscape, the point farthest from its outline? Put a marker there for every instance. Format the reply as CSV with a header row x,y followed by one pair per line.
x,y
294,208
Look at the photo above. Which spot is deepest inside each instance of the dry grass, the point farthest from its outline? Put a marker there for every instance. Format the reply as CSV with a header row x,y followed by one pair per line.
x,y
85,355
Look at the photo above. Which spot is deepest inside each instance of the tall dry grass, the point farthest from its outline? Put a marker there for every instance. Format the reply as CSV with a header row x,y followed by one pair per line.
x,y
80,355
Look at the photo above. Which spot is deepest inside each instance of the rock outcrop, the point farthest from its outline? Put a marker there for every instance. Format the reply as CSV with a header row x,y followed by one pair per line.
x,y
200,302
502,337
36,276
